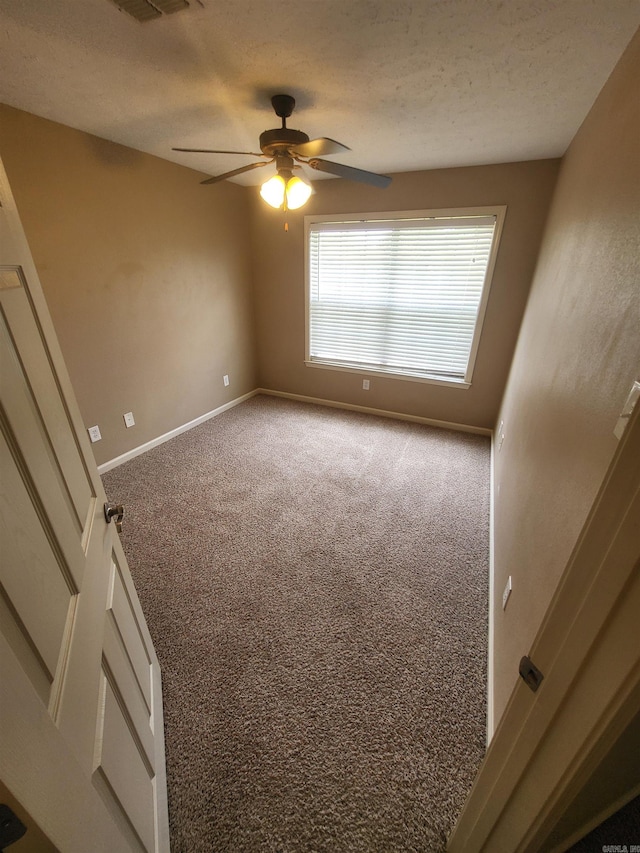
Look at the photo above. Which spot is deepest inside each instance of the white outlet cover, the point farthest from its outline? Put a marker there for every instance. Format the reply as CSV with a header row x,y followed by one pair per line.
x,y
94,434
225,379
500,435
627,410
129,419
365,384
506,593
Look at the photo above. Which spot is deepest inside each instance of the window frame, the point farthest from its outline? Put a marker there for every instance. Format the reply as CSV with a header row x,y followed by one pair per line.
x,y
498,211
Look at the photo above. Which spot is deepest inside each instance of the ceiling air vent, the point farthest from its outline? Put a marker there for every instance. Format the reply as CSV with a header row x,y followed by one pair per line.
x,y
147,10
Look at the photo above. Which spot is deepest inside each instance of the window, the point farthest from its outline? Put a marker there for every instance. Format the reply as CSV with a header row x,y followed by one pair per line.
x,y
402,294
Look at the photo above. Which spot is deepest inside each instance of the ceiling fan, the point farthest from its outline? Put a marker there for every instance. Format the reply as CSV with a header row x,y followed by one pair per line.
x,y
287,148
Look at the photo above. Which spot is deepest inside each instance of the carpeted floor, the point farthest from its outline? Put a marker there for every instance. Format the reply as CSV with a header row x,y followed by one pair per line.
x,y
315,582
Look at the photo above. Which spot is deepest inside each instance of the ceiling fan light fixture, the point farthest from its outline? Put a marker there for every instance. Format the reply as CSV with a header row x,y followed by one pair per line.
x,y
283,188
297,192
272,191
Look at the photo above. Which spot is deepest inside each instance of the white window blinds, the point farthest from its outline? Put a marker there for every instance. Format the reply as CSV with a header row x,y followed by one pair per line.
x,y
399,296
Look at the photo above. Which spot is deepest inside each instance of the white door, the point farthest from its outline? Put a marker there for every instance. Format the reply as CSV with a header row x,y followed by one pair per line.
x,y
81,735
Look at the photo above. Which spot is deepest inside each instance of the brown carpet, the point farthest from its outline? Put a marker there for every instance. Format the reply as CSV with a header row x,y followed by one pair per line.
x,y
315,582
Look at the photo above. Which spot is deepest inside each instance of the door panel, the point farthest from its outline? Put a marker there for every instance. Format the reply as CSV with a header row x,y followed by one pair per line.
x,y
82,745
117,662
32,583
123,763
137,715
17,638
38,366
28,438
126,624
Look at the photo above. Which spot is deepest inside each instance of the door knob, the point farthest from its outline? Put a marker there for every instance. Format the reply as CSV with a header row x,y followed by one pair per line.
x,y
114,512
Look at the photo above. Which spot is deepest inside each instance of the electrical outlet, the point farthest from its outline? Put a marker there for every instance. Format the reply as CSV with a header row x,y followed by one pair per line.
x,y
365,384
506,593
94,434
500,435
225,379
129,420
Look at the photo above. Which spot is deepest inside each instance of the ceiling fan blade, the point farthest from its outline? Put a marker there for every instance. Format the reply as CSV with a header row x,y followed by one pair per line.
x,y
319,146
350,173
211,151
233,172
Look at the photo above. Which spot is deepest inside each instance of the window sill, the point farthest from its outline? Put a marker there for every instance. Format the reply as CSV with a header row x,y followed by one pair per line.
x,y
387,374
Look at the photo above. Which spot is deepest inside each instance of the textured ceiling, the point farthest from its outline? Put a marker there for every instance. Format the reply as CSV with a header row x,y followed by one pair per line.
x,y
406,84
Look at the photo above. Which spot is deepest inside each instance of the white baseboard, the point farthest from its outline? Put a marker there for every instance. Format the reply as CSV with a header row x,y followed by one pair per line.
x,y
382,413
149,445
490,639
143,448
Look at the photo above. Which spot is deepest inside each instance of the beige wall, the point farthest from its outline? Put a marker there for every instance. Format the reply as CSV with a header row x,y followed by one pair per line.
x,y
148,279
525,188
146,274
577,357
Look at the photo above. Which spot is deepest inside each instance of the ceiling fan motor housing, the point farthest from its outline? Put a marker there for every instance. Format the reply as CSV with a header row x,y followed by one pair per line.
x,y
281,139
